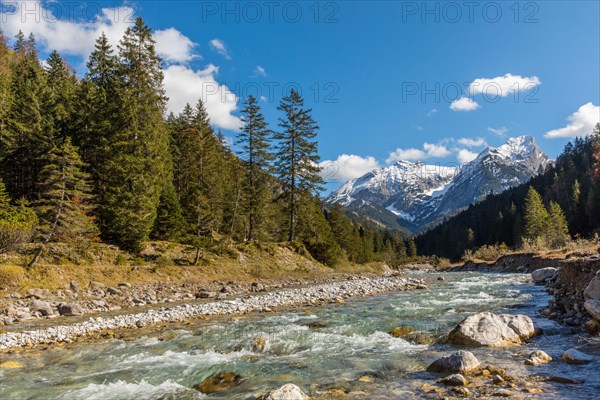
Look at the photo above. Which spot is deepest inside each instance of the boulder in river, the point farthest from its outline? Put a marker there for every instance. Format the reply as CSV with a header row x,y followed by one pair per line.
x,y
286,392
573,356
492,330
592,291
593,307
454,380
543,274
402,331
219,382
461,362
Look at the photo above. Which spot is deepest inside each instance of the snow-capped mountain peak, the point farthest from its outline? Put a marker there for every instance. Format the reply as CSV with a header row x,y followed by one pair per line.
x,y
417,194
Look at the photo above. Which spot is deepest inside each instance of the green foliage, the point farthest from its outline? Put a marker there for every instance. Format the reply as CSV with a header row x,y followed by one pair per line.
x,y
557,232
17,223
64,207
534,215
169,224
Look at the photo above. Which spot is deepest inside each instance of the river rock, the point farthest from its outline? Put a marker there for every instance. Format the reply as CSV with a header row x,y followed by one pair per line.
x,y
543,274
286,392
538,358
573,356
454,380
74,285
70,309
219,382
259,345
39,294
43,307
492,330
593,307
461,362
592,291
402,331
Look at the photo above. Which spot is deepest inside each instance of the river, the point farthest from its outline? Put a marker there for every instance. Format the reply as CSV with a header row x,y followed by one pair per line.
x,y
345,342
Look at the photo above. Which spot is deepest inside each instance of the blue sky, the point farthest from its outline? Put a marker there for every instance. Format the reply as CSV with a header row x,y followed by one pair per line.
x,y
381,77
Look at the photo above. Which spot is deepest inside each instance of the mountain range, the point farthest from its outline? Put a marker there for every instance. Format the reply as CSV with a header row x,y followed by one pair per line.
x,y
414,196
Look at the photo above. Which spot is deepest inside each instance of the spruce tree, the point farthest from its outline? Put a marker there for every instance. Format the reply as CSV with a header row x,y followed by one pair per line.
x,y
169,224
557,233
26,141
297,156
59,101
64,207
535,215
254,143
136,166
6,61
17,223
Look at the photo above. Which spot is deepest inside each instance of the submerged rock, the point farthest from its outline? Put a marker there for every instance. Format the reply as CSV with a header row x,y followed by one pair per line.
x,y
461,362
538,358
286,392
219,382
259,345
402,331
492,330
454,380
543,274
573,356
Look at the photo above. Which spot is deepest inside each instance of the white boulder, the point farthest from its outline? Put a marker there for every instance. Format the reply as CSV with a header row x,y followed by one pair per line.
x,y
492,330
543,274
286,392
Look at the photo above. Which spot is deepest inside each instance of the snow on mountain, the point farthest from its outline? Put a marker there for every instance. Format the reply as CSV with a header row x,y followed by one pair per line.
x,y
417,194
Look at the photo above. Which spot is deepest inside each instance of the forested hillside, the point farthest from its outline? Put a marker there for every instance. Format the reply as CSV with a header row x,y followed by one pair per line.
x,y
95,158
569,190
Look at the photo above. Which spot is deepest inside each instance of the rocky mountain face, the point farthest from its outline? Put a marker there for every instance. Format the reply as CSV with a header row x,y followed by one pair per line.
x,y
415,195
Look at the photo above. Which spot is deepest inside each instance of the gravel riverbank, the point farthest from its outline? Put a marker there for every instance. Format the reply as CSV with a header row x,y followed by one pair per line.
x,y
265,302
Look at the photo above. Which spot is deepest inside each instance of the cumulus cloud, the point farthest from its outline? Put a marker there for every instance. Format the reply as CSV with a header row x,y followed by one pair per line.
x,y
219,46
500,132
412,154
185,85
173,46
347,167
464,156
581,123
77,38
503,85
470,142
260,71
464,104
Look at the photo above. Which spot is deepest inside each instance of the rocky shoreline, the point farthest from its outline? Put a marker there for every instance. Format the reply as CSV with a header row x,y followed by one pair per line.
x,y
323,293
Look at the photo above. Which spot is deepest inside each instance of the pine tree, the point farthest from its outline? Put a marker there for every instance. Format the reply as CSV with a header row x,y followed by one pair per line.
x,y
6,61
557,233
64,206
535,215
169,224
59,101
137,164
17,223
297,156
254,142
26,142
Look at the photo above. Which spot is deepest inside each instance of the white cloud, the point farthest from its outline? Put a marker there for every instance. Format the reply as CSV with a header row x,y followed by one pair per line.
x,y
173,46
77,38
503,85
219,46
412,154
500,132
185,85
464,156
433,111
581,123
260,71
66,36
469,142
464,104
347,167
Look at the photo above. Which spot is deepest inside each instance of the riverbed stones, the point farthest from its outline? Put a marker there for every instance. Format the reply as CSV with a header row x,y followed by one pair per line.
x,y
538,358
492,330
70,309
574,356
286,392
544,274
43,307
259,345
37,293
402,331
592,291
74,285
219,382
461,362
454,380
97,286
593,308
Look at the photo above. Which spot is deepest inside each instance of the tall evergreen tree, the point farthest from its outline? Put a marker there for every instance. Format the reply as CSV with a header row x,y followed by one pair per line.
x,y
297,156
535,215
557,233
137,164
254,143
6,61
64,207
26,142
59,101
